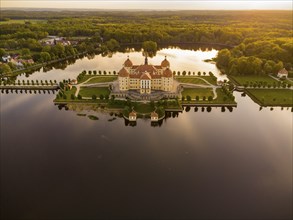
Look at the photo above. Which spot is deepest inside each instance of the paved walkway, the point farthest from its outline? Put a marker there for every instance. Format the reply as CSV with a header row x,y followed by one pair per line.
x,y
274,77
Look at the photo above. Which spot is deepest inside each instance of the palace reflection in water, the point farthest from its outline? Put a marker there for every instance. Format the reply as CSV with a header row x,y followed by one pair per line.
x,y
226,160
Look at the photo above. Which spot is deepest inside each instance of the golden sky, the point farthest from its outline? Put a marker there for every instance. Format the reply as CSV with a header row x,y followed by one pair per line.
x,y
152,4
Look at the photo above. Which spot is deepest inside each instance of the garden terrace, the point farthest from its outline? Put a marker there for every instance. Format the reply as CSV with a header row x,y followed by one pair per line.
x,y
100,79
272,97
90,91
253,79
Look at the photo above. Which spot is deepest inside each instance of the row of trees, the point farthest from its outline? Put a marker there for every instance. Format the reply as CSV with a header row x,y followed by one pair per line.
x,y
29,82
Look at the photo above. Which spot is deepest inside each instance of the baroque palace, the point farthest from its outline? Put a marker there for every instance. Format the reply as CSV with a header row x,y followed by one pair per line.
x,y
145,77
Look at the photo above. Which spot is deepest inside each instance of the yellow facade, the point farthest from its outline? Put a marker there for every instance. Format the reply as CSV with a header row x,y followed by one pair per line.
x,y
145,78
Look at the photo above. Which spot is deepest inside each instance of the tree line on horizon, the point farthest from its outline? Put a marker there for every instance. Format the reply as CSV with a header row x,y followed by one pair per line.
x,y
260,38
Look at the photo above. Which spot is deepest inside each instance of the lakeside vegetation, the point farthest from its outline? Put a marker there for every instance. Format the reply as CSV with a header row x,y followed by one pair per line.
x,y
262,40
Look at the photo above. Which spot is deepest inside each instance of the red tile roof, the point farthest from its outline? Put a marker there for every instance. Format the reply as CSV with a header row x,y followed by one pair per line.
x,y
133,113
146,68
139,71
145,76
167,73
283,71
123,73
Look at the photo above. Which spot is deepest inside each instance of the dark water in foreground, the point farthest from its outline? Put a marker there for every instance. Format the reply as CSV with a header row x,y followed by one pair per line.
x,y
231,165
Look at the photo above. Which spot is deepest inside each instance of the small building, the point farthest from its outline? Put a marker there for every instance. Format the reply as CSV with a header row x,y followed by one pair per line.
x,y
283,73
132,116
6,58
220,82
73,82
26,61
154,117
17,63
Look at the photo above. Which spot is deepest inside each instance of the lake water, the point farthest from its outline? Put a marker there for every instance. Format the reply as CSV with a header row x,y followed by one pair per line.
x,y
180,60
199,165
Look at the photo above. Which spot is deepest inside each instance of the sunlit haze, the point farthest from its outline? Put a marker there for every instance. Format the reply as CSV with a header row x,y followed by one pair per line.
x,y
152,5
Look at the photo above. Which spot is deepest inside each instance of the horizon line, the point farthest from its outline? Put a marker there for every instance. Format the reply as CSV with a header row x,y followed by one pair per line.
x,y
140,9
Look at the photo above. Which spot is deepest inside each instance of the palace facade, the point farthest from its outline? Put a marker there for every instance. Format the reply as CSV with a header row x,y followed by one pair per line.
x,y
145,77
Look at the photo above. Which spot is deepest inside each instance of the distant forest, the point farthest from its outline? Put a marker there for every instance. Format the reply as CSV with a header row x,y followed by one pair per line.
x,y
261,41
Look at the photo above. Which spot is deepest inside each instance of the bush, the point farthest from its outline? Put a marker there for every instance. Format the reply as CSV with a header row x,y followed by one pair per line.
x,y
72,96
94,97
210,98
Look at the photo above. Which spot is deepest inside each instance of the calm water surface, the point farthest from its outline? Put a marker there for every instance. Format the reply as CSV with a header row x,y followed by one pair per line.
x,y
199,165
180,60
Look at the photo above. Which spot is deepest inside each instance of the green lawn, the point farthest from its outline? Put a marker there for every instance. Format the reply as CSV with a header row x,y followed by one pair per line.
x,y
143,108
68,94
272,97
193,92
90,91
222,98
100,79
192,80
241,80
196,79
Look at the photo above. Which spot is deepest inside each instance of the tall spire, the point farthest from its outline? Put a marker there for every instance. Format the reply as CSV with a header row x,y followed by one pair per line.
x,y
146,60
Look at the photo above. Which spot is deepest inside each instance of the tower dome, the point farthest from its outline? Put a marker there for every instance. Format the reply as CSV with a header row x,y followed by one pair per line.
x,y
128,62
165,63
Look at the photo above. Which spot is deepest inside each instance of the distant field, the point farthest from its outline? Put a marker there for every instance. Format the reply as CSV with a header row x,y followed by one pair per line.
x,y
272,97
33,21
241,80
89,92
